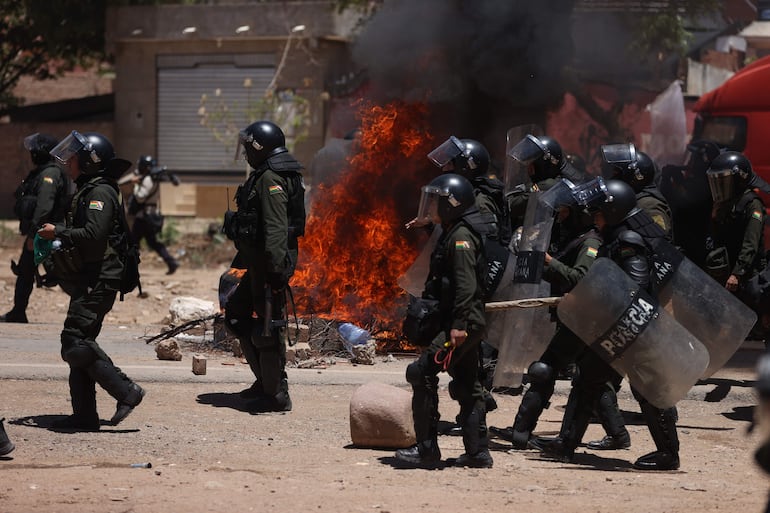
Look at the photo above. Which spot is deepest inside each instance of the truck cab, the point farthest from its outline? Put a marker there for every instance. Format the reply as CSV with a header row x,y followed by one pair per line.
x,y
737,115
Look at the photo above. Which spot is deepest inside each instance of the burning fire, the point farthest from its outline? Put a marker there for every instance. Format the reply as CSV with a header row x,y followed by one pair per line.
x,y
355,245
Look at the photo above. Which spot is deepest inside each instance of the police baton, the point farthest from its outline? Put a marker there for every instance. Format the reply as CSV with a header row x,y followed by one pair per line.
x,y
523,303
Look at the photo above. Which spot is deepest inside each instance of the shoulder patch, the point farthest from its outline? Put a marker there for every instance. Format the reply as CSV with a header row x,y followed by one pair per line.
x,y
757,215
96,205
47,179
592,252
462,245
275,189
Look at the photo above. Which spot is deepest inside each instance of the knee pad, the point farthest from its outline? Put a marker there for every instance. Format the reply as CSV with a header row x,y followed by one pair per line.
x,y
414,374
540,373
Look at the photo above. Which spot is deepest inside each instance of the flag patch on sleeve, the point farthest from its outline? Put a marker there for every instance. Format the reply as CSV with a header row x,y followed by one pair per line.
x,y
757,215
592,252
47,179
462,244
275,189
96,205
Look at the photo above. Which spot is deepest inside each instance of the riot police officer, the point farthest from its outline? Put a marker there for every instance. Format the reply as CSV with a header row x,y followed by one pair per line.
x,y
636,168
687,192
90,270
546,163
737,221
454,281
470,159
144,205
575,245
265,229
614,216
41,198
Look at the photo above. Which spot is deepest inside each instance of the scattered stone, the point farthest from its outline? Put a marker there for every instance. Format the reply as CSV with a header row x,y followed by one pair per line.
x,y
364,353
199,365
185,308
381,417
168,349
297,352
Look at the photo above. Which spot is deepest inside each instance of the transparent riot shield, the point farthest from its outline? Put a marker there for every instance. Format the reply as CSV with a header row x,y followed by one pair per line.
x,y
701,305
630,331
413,280
527,331
515,173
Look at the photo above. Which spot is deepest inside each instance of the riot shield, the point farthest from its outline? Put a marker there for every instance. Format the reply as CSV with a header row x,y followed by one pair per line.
x,y
527,331
630,331
413,280
515,173
703,307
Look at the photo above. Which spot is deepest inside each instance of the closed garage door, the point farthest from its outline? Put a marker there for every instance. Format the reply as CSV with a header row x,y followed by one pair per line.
x,y
231,84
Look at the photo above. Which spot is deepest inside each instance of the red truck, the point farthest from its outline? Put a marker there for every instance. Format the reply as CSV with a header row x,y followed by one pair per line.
x,y
737,115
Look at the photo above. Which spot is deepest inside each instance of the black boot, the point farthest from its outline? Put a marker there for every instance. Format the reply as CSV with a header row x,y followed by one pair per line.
x,y
534,401
255,390
425,454
128,403
662,426
83,396
612,420
475,440
14,316
273,403
6,446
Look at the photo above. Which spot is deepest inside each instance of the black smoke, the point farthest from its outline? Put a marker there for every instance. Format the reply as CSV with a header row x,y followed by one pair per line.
x,y
486,64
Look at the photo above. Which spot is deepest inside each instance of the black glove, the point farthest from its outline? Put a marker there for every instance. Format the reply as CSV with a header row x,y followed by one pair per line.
x,y
277,281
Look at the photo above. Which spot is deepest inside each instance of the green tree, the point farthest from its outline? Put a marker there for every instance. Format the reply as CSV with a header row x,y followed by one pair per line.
x,y
44,38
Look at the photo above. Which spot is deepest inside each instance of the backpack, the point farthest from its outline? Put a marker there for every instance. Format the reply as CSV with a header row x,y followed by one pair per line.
x,y
288,168
124,245
495,255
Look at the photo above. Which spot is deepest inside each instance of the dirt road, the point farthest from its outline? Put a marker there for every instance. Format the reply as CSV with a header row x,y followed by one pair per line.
x,y
209,454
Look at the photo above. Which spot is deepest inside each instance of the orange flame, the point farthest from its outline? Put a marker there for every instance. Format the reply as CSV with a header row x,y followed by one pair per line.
x,y
355,244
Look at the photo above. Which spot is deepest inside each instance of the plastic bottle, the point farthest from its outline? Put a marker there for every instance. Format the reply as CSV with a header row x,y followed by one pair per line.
x,y
352,335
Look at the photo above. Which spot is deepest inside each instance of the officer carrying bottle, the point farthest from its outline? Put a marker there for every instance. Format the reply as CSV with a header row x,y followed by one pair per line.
x,y
89,267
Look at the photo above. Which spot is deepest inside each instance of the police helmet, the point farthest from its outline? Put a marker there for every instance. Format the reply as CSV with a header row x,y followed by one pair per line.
x,y
618,203
729,175
93,151
543,153
145,163
474,160
446,198
39,147
260,141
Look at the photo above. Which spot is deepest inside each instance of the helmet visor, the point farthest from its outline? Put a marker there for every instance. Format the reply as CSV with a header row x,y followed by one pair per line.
x,y
528,150
427,212
721,184
446,151
69,147
244,138
30,142
567,194
619,155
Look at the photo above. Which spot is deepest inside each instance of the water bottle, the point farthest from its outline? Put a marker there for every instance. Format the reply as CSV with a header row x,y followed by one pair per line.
x,y
352,335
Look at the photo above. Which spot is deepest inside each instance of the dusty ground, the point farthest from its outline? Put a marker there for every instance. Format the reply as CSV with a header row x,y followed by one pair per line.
x,y
208,454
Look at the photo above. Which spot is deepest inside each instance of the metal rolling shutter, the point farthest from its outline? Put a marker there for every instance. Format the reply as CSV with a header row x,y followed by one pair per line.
x,y
184,144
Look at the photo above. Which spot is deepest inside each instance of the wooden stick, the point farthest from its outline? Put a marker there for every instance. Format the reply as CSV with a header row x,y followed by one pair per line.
x,y
523,303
